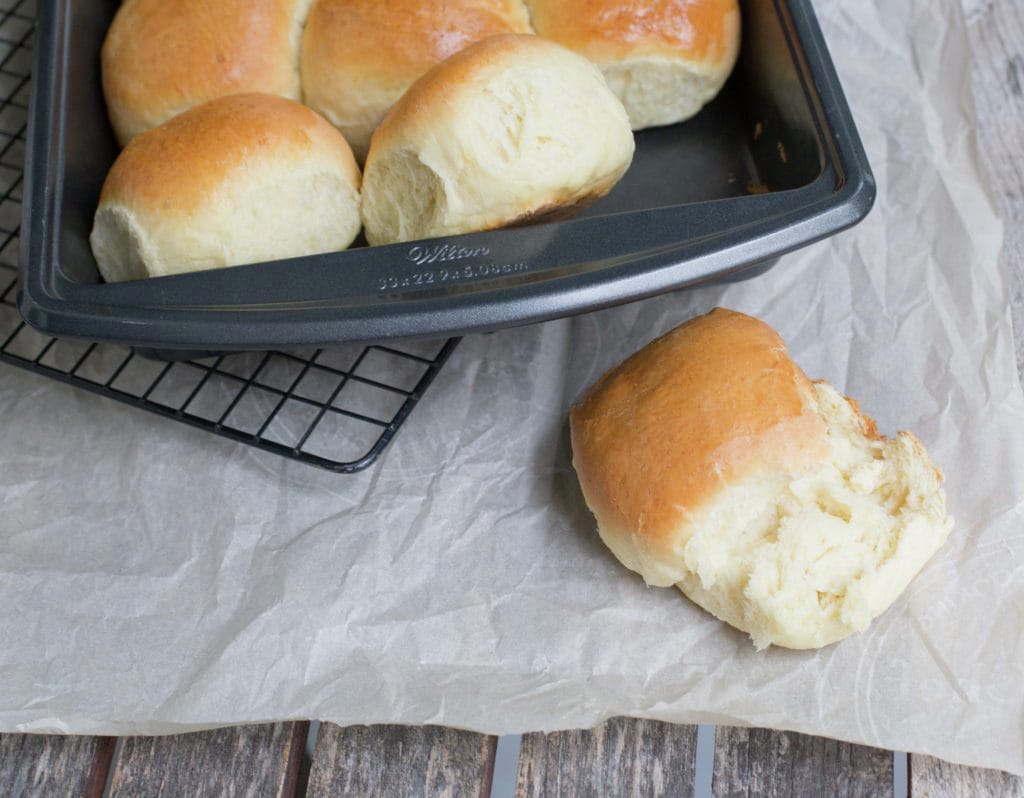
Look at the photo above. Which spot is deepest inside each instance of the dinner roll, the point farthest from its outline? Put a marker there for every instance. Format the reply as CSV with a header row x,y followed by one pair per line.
x,y
359,56
510,130
242,179
162,57
663,58
711,462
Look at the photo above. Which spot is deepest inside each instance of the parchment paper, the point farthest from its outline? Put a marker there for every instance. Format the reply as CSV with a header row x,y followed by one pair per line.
x,y
155,579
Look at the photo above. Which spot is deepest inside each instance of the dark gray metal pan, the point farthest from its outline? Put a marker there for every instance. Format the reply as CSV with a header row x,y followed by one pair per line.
x,y
771,165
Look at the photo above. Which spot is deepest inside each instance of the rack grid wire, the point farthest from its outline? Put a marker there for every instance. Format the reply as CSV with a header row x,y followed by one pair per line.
x,y
334,408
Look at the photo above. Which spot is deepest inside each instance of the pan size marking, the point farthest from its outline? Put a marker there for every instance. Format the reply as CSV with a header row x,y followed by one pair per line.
x,y
449,274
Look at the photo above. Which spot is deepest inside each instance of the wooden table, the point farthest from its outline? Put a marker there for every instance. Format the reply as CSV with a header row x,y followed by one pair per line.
x,y
623,757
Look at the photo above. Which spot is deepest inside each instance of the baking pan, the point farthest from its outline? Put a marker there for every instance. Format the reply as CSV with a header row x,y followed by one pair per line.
x,y
771,165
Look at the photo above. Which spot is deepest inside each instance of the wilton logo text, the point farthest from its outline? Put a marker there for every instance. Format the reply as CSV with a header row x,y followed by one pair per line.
x,y
443,252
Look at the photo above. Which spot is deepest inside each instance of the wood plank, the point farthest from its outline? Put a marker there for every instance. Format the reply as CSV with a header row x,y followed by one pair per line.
x,y
762,762
933,778
622,757
241,761
401,761
33,764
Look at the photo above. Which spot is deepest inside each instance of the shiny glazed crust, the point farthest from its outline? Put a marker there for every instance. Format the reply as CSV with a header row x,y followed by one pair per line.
x,y
162,57
171,170
664,59
712,402
359,56
248,178
607,31
710,462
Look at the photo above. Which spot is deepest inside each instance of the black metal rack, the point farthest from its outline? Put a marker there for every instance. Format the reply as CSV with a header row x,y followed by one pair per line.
x,y
333,408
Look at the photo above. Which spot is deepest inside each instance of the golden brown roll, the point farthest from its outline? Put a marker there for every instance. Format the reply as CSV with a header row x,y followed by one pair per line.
x,y
665,59
711,462
241,179
510,130
359,56
162,57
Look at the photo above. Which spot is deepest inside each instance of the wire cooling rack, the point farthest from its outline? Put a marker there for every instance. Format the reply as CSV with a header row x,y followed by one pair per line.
x,y
333,408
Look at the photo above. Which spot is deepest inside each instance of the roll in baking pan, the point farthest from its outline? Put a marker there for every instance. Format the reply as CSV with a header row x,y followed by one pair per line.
x,y
771,165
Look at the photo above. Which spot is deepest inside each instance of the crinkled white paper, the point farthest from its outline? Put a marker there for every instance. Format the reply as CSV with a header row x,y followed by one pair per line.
x,y
155,579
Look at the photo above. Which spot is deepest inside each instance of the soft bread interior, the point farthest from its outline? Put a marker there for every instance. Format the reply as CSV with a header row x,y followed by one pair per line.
x,y
803,560
510,129
413,198
260,215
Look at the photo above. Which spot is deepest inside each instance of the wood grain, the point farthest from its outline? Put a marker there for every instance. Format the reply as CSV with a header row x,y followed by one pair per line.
x,y
933,778
34,765
400,762
761,762
622,757
241,761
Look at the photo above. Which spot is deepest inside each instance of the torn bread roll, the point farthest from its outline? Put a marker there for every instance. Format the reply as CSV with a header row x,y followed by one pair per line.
x,y
242,179
162,57
711,462
665,59
511,130
360,56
